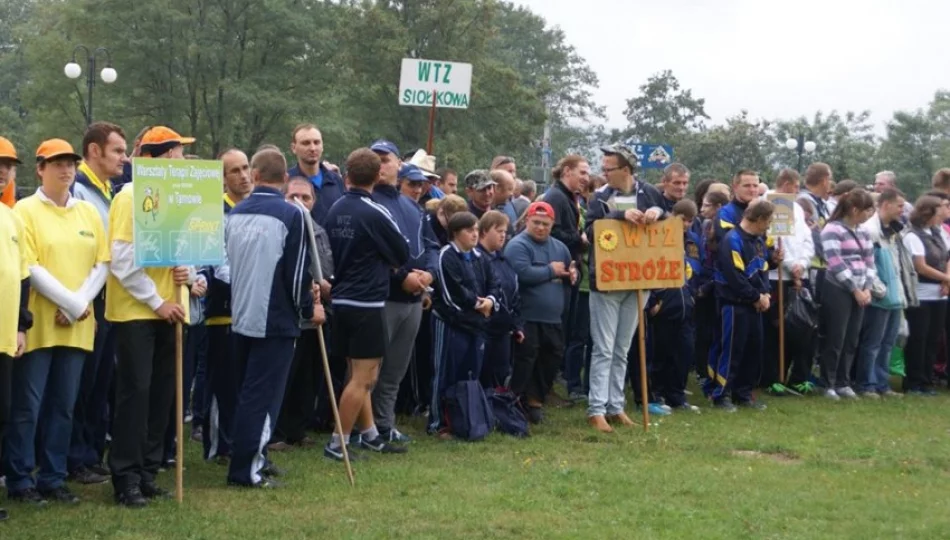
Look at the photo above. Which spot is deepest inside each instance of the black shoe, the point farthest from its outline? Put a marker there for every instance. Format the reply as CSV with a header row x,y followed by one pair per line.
x,y
724,404
382,446
535,415
266,483
151,490
29,496
3,514
86,476
60,494
131,498
272,471
336,454
101,470
753,404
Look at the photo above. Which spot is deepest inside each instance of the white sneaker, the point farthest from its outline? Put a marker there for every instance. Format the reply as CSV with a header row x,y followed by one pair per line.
x,y
846,392
832,395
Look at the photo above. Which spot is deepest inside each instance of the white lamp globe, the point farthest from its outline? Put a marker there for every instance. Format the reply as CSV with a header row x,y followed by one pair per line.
x,y
109,75
72,70
791,144
810,146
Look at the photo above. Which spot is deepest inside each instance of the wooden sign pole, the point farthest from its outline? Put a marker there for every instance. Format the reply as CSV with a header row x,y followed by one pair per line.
x,y
781,322
180,403
642,343
431,125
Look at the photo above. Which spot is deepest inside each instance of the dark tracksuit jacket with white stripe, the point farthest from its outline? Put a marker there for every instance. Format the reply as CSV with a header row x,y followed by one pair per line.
x,y
269,266
367,248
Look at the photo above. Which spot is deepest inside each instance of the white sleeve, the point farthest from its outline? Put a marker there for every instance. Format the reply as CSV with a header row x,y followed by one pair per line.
x,y
94,282
914,245
69,302
133,278
801,245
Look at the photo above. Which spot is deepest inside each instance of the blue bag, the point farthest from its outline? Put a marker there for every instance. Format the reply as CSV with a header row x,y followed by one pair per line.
x,y
467,411
509,418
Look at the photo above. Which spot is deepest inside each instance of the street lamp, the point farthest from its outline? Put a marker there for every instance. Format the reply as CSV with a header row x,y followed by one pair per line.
x,y
801,146
73,70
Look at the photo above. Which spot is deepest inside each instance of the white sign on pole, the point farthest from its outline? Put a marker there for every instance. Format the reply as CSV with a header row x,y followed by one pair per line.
x,y
451,81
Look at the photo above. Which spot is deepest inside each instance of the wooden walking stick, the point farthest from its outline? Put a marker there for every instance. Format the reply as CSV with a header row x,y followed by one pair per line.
x,y
781,322
317,272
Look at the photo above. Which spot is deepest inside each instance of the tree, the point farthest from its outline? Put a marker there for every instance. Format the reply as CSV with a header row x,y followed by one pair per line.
x,y
910,150
846,143
663,113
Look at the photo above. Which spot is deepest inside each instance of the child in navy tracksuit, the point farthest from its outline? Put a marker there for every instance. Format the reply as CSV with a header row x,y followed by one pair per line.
x,y
466,296
505,324
742,289
671,323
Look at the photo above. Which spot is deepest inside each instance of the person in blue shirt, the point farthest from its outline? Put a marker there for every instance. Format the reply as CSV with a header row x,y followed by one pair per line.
x,y
307,144
742,288
367,245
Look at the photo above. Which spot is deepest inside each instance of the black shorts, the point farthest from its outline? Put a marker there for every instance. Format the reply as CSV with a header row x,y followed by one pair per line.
x,y
358,333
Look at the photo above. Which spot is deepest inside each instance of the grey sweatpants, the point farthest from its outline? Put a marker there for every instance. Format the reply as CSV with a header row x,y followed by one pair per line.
x,y
402,323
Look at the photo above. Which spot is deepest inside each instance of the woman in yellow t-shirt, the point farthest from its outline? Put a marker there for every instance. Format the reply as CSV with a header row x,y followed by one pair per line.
x,y
67,254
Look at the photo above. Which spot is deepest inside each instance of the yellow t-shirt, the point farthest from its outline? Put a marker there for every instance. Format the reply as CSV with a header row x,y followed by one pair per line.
x,y
13,270
120,305
68,242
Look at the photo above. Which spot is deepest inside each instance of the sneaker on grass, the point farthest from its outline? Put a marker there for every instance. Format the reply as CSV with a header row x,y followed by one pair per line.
x,y
832,395
382,446
336,454
846,392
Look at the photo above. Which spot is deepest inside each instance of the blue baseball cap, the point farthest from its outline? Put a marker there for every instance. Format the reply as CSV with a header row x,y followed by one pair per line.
x,y
412,173
385,147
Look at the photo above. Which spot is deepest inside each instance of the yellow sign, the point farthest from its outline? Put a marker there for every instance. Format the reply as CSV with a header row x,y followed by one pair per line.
x,y
636,257
783,220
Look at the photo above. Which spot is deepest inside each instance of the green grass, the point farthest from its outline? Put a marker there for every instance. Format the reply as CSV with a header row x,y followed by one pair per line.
x,y
805,468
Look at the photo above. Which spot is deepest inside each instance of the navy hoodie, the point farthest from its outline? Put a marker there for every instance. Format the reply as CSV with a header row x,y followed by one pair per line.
x,y
508,317
423,245
367,247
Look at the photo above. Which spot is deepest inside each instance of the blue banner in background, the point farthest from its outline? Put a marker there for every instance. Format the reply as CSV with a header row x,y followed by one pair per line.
x,y
652,156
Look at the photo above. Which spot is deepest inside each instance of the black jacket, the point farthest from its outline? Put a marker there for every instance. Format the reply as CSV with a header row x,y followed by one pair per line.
x,y
566,218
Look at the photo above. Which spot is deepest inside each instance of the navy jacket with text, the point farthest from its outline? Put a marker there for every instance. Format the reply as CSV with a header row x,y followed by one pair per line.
x,y
648,196
423,245
462,278
742,270
266,246
218,298
367,247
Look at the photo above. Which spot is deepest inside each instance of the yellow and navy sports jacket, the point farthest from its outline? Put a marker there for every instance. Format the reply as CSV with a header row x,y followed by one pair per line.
x,y
742,268
677,304
729,218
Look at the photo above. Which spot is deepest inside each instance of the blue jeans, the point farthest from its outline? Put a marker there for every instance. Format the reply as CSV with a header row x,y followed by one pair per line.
x,y
878,336
45,386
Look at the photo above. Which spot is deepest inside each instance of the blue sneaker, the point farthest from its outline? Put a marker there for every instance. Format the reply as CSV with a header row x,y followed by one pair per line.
x,y
336,454
658,409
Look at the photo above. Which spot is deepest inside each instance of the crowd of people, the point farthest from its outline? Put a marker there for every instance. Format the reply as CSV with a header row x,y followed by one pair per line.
x,y
419,289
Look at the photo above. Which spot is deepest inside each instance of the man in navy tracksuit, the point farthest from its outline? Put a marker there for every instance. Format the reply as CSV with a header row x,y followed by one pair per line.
x,y
671,328
307,144
223,372
742,289
367,248
271,284
407,285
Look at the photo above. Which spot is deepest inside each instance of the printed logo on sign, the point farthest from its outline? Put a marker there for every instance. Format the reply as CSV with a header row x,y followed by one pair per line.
x,y
150,202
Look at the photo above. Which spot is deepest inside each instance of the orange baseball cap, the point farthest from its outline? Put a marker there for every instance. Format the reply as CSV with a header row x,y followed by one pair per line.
x,y
55,148
7,151
164,135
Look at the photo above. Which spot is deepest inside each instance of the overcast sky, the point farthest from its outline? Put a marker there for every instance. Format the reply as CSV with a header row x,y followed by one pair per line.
x,y
881,55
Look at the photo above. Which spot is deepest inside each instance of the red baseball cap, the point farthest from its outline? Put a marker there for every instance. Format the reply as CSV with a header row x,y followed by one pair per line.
x,y
539,208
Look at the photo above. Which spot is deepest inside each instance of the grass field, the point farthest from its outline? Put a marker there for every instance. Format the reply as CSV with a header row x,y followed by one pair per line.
x,y
805,468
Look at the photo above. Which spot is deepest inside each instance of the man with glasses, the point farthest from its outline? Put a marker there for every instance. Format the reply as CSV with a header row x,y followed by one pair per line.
x,y
614,314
